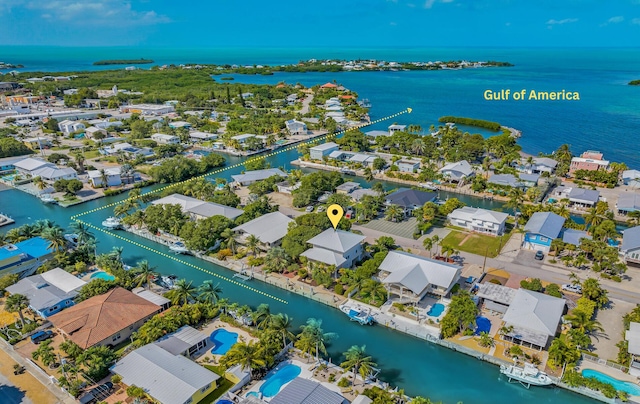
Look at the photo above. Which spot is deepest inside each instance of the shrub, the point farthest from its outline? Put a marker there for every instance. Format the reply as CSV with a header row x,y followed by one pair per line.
x,y
116,379
255,261
111,192
344,382
516,350
332,377
553,290
338,289
399,306
224,253
494,280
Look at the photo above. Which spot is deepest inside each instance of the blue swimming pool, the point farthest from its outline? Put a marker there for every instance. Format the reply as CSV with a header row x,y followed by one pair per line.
x,y
436,310
483,324
223,341
103,275
274,383
621,385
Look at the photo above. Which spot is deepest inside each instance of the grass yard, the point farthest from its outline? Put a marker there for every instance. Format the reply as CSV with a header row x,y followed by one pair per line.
x,y
476,243
91,154
223,385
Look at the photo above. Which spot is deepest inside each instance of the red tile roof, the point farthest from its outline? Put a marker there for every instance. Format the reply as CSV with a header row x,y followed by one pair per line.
x,y
328,85
95,319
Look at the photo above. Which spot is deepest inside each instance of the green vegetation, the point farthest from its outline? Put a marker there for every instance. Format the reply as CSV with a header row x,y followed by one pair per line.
x,y
475,243
10,147
575,379
634,83
609,177
534,285
70,187
140,61
180,168
481,123
460,317
313,185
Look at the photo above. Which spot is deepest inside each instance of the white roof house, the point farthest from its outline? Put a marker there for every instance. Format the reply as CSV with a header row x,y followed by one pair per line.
x,y
296,127
321,150
411,277
112,176
631,178
335,247
478,219
52,174
243,138
632,336
184,341
199,209
396,128
269,228
580,196
168,378
165,139
202,136
306,391
628,202
630,247
92,131
28,165
457,171
250,177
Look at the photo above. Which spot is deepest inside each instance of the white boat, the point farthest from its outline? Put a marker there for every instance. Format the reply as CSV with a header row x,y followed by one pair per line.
x,y
72,239
168,281
527,376
47,198
429,185
178,247
112,223
357,313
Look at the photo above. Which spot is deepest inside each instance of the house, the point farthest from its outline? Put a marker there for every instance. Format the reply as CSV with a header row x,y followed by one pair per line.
x,y
249,177
242,139
535,318
357,194
458,171
538,165
104,320
541,229
396,128
269,228
504,180
202,136
24,257
7,164
198,209
628,202
161,138
408,166
340,155
347,187
335,247
479,220
68,126
92,131
112,175
590,161
104,124
630,248
296,127
179,124
148,109
529,180
578,197
127,149
154,298
184,341
632,336
167,378
318,152
307,391
495,297
51,174
631,178
573,236
409,199
48,292
412,277
285,187
328,85
363,159
35,143
375,133
27,166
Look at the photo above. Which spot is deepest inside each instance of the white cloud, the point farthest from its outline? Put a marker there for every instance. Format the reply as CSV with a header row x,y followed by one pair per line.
x,y
562,22
430,3
635,21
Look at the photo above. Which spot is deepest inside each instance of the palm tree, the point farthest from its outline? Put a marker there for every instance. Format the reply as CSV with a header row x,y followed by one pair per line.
x,y
516,198
582,321
357,359
223,305
594,218
183,293
281,323
39,183
80,161
209,292
121,210
82,231
55,237
276,260
373,290
313,338
144,273
229,236
116,253
16,303
262,317
253,244
137,218
436,242
428,244
248,355
394,213
104,178
418,147
368,175
634,218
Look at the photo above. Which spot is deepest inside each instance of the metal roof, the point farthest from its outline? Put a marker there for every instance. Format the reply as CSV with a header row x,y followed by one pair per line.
x,y
305,391
410,197
416,273
257,175
268,228
547,224
336,240
573,236
630,239
48,289
535,311
497,293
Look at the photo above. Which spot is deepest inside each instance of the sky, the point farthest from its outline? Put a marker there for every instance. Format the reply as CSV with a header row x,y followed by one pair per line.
x,y
327,23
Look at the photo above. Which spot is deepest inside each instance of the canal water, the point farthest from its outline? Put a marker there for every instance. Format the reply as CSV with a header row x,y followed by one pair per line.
x,y
419,367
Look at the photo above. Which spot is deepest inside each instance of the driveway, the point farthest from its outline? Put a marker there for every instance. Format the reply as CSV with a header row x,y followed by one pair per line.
x,y
526,258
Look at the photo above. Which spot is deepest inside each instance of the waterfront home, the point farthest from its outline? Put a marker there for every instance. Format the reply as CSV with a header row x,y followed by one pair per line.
x,y
357,194
167,378
479,220
148,109
411,277
152,297
197,136
495,297
630,247
104,123
340,155
376,133
92,131
296,127
504,180
184,341
535,318
7,164
249,177
36,143
573,236
541,229
362,399
529,180
67,126
628,202
347,187
306,391
318,152
51,174
104,320
409,199
328,85
578,197
25,257
198,209
242,139
336,247
631,178
590,161
458,171
48,292
162,138
27,166
179,124
285,187
269,229
408,166
112,175
632,336
127,149
538,165
362,159
396,128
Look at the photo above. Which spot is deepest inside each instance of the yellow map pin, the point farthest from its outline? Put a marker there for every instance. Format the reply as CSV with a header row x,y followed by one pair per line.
x,y
335,213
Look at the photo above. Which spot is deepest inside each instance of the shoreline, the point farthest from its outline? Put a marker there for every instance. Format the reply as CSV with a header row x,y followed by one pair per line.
x,y
335,301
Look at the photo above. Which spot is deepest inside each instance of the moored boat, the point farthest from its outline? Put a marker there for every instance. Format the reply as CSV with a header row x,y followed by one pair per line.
x,y
168,281
111,223
47,198
178,247
527,376
357,313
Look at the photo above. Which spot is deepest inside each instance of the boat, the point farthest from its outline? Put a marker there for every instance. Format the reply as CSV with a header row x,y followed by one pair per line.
x,y
112,223
365,103
429,185
47,198
357,313
168,281
72,239
527,376
178,247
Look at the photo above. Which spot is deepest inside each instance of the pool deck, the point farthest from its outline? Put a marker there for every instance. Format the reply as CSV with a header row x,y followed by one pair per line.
x,y
201,355
616,374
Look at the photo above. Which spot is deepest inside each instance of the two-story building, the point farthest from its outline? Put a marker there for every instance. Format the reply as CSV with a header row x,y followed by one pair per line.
x,y
318,152
538,165
458,171
295,127
396,128
68,126
336,247
408,166
578,197
111,174
628,202
632,336
590,160
270,229
162,138
409,199
630,247
24,257
479,220
541,229
410,277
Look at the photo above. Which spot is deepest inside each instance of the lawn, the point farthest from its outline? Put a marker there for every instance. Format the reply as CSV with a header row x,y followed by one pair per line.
x,y
476,243
223,385
91,154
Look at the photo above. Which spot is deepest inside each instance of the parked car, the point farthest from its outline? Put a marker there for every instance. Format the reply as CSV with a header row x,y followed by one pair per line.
x,y
41,336
97,394
320,208
539,255
572,288
309,208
